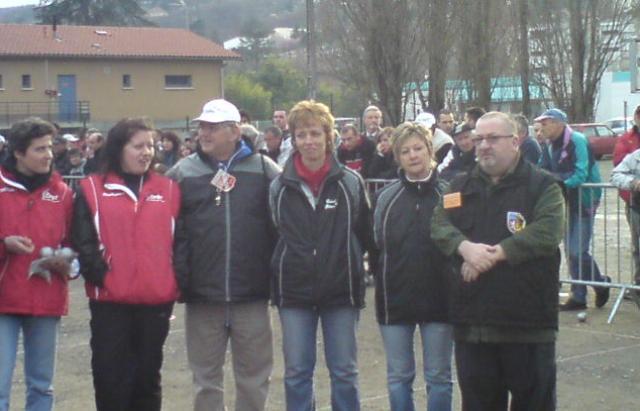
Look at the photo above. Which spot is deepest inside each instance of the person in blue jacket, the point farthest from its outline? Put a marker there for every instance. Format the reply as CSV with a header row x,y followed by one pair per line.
x,y
568,157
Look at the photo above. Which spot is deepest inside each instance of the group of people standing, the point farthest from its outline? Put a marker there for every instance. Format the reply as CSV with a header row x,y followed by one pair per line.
x,y
473,259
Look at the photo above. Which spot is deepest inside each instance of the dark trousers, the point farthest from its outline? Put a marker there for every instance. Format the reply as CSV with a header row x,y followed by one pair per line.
x,y
488,372
126,354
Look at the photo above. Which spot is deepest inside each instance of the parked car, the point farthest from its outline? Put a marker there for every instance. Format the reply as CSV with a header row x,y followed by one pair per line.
x,y
617,124
601,138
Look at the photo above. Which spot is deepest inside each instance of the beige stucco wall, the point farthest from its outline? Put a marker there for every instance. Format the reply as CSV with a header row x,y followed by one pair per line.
x,y
100,83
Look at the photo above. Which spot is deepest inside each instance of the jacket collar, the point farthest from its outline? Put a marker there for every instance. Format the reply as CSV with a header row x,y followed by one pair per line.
x,y
513,177
290,175
420,188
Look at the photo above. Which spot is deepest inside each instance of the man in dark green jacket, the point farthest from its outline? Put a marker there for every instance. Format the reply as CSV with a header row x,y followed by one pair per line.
x,y
501,225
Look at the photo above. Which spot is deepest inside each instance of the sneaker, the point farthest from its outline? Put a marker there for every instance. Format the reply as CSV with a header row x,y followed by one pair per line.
x,y
602,293
572,305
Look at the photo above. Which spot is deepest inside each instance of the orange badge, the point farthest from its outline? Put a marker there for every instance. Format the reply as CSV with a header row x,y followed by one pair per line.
x,y
452,200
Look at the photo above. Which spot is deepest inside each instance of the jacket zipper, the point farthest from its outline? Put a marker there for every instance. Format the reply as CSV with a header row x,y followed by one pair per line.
x,y
346,195
284,250
227,264
385,293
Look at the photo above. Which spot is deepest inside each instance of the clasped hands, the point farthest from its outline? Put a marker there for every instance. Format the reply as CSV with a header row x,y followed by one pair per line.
x,y
478,258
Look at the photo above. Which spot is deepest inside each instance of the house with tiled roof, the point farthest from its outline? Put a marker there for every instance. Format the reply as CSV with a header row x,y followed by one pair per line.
x,y
86,75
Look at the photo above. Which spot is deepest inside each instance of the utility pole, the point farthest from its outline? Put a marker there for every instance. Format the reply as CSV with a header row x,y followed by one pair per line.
x,y
312,69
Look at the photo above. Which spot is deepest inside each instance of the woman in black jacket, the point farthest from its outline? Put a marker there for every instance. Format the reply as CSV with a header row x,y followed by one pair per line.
x,y
411,286
321,211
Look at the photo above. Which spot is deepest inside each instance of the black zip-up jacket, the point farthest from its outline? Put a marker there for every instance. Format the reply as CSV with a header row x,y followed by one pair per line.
x,y
318,258
411,282
223,241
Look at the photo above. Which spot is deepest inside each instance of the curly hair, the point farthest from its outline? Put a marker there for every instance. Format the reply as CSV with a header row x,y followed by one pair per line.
x,y
23,132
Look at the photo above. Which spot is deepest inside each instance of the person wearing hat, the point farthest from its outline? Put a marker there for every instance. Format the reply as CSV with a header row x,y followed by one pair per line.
x,y
224,241
625,145
569,158
462,157
442,142
4,152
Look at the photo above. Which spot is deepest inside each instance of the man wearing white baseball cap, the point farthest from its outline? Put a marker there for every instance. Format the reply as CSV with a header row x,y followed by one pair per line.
x,y
223,244
441,141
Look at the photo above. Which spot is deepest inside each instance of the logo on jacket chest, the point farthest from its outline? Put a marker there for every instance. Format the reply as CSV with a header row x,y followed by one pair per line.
x,y
155,198
48,196
330,203
515,222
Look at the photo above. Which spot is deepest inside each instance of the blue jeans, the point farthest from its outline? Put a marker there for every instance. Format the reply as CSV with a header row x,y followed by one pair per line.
x,y
437,347
39,335
299,327
577,241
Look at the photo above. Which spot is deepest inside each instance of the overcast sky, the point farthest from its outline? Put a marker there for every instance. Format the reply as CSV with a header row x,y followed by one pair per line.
x,y
12,3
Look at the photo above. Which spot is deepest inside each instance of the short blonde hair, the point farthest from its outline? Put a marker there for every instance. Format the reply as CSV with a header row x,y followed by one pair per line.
x,y
307,112
407,130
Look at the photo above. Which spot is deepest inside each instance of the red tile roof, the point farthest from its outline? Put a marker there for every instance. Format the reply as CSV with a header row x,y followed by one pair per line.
x,y
30,40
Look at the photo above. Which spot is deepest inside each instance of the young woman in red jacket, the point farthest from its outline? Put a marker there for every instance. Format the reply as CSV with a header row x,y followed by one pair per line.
x,y
35,214
123,231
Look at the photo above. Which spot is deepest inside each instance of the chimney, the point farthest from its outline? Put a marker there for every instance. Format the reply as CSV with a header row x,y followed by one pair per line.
x,y
54,27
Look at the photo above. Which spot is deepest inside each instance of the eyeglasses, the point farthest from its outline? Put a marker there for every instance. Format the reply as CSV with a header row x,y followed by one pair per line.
x,y
212,127
478,139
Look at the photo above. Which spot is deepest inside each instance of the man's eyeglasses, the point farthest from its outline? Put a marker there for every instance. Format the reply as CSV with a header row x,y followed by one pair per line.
x,y
213,127
478,139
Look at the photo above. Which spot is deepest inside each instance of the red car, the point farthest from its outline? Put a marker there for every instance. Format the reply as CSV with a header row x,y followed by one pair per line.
x,y
601,138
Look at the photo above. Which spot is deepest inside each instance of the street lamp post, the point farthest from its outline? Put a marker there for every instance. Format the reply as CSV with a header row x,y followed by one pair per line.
x,y
312,70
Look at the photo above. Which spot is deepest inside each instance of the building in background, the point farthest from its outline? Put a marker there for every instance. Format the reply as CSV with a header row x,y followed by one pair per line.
x,y
85,75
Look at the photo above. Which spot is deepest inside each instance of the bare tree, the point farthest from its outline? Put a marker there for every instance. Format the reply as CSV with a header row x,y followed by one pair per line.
x,y
576,41
440,38
377,45
486,33
521,19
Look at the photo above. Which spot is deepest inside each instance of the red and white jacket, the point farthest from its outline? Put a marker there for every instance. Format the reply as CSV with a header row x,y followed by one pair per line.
x,y
43,215
135,236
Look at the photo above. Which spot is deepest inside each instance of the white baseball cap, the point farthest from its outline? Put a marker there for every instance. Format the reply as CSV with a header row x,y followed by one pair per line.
x,y
70,138
425,119
218,111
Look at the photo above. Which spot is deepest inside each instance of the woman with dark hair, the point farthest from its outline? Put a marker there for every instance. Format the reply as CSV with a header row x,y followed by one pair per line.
x,y
170,148
411,283
123,231
35,215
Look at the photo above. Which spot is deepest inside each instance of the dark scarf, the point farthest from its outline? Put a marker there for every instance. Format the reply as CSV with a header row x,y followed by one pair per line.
x,y
31,183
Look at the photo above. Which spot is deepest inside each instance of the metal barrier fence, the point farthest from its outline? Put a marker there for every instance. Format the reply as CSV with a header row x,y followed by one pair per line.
x,y
610,246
